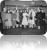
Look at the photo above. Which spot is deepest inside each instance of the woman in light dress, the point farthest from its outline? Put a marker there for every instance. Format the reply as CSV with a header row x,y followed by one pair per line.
x,y
8,22
31,22
24,21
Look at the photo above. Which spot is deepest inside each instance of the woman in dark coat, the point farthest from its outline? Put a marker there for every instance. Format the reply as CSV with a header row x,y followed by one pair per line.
x,y
13,17
21,17
38,17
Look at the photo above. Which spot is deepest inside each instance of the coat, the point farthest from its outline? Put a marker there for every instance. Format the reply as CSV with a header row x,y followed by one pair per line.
x,y
13,18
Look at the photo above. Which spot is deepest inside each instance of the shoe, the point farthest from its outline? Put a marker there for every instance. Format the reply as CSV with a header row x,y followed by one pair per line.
x,y
17,25
13,26
38,27
20,25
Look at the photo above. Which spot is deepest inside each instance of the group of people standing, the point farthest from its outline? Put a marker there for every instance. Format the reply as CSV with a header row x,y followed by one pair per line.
x,y
16,18
40,19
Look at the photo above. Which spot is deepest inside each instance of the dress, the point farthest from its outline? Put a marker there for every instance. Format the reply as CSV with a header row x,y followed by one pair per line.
x,y
33,18
24,21
8,21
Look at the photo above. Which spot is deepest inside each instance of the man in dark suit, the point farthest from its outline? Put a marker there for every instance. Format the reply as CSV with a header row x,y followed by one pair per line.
x,y
38,17
21,17
0,17
43,18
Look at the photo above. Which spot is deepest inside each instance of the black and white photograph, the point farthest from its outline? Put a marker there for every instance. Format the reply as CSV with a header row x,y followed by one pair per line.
x,y
23,25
